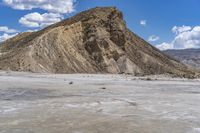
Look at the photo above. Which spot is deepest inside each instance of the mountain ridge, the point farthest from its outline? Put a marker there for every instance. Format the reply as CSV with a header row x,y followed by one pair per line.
x,y
187,56
93,41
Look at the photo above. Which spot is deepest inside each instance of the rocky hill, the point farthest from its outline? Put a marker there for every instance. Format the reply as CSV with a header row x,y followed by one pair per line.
x,y
93,41
186,56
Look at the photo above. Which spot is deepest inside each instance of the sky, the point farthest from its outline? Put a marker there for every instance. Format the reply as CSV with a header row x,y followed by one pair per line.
x,y
166,24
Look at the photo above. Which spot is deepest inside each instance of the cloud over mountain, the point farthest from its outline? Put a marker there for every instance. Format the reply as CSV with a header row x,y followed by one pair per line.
x,y
6,36
55,6
153,38
5,29
35,20
55,10
6,33
185,37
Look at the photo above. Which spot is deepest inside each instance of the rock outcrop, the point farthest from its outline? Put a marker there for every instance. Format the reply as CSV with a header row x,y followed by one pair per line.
x,y
94,41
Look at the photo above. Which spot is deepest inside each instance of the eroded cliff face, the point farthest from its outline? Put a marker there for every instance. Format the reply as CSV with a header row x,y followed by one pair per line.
x,y
94,41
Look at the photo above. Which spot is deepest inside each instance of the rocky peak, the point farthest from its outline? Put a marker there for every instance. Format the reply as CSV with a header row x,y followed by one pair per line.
x,y
93,41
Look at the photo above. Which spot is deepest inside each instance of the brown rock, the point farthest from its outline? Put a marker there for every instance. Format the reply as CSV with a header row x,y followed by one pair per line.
x,y
94,41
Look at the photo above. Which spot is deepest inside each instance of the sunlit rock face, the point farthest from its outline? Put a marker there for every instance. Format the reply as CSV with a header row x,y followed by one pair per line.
x,y
93,41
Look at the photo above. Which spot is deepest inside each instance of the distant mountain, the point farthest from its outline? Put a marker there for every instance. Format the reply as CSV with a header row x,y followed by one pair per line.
x,y
186,56
93,41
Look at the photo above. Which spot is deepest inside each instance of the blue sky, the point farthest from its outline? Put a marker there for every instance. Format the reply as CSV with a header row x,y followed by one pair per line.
x,y
167,24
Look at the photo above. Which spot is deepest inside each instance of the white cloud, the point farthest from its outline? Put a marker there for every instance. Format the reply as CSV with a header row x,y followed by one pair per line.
x,y
5,29
153,38
35,30
165,46
143,22
185,37
6,33
188,39
37,20
178,30
6,36
55,6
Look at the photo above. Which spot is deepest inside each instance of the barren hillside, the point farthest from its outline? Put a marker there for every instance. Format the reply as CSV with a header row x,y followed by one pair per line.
x,y
94,41
186,56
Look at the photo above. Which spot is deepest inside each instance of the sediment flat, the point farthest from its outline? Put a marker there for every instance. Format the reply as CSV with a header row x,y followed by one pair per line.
x,y
96,103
